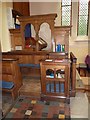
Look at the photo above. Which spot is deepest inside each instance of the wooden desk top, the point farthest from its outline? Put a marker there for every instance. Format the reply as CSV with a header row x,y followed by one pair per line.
x,y
63,62
26,52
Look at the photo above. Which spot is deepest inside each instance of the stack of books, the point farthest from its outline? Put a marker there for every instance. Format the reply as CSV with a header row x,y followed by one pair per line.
x,y
60,48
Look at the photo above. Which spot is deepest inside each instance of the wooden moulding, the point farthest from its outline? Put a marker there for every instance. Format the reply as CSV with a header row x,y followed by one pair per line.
x,y
45,17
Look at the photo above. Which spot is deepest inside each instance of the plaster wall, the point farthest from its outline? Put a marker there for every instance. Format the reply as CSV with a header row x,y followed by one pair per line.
x,y
5,36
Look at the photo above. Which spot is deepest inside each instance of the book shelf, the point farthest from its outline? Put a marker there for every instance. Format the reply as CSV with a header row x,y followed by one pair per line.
x,y
61,39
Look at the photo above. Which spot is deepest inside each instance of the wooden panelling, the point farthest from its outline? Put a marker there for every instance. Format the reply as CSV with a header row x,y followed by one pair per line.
x,y
6,68
27,56
7,77
22,7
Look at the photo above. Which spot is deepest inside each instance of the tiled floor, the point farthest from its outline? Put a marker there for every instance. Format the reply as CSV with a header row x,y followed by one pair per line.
x,y
31,107
79,104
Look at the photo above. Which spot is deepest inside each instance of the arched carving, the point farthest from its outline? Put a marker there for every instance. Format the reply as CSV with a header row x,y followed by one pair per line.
x,y
45,35
37,20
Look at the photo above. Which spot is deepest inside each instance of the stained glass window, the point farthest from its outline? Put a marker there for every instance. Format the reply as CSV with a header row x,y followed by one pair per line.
x,y
66,12
83,17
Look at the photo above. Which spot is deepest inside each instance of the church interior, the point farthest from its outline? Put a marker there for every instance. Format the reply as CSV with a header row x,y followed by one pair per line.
x,y
44,50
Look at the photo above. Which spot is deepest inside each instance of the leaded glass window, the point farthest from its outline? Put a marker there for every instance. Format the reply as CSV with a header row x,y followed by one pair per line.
x,y
66,12
83,17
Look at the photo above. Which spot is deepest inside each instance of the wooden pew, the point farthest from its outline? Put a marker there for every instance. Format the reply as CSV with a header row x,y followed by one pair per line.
x,y
11,76
27,57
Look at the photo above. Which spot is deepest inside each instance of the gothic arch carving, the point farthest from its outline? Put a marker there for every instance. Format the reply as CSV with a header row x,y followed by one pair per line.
x,y
37,20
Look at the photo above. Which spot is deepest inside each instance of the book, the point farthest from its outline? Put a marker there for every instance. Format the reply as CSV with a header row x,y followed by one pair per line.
x,y
58,60
49,60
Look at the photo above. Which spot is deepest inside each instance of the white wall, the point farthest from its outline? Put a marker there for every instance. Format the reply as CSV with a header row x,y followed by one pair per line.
x,y
0,23
79,48
38,8
5,37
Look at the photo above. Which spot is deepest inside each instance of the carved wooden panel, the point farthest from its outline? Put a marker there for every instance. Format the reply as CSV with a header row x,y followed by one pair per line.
x,y
36,21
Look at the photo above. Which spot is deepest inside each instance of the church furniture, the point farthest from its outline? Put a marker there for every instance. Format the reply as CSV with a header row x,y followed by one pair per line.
x,y
61,37
27,59
30,43
55,70
59,51
11,76
26,56
73,60
55,78
33,58
58,55
59,34
36,21
16,40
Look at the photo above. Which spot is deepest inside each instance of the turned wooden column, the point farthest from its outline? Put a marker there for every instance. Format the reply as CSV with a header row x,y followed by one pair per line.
x,y
37,28
73,74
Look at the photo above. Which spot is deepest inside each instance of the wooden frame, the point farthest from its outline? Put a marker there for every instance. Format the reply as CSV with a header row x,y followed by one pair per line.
x,y
70,12
83,15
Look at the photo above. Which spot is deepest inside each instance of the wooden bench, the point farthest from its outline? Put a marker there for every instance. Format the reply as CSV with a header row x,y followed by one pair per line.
x,y
11,77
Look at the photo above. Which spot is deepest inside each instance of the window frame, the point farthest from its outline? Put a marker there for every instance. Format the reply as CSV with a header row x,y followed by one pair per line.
x,y
78,21
70,13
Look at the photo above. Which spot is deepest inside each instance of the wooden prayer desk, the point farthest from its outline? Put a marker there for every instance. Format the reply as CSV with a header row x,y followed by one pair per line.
x,y
55,78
